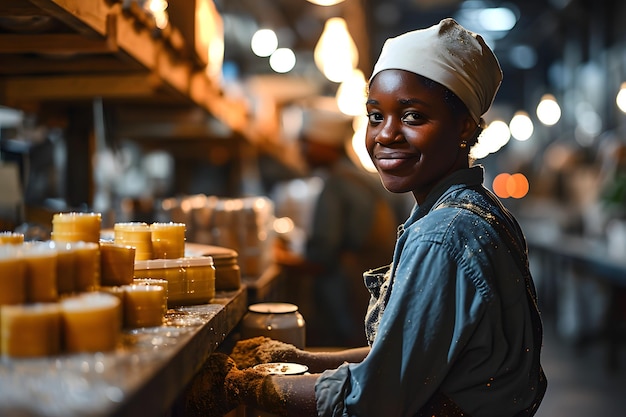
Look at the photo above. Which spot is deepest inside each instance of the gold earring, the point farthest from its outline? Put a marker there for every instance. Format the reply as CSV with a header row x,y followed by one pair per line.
x,y
463,145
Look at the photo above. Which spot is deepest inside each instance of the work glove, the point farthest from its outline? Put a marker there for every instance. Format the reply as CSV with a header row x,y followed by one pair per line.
x,y
220,387
261,349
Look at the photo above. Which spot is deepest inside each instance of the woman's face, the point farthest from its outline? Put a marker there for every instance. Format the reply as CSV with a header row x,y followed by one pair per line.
x,y
413,137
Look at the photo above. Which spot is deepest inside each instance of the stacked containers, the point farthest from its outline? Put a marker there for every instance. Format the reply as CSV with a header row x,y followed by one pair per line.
x,y
12,276
168,240
76,227
137,235
189,280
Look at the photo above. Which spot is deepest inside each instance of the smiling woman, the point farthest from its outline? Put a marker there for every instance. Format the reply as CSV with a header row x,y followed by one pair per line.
x,y
452,324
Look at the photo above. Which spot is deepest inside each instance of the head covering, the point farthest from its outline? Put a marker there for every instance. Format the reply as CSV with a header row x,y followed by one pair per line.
x,y
451,55
322,122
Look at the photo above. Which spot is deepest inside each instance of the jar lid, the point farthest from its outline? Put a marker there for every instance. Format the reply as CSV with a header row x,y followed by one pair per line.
x,y
273,308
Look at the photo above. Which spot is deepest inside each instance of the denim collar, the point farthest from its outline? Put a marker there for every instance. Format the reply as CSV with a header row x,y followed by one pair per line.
x,y
463,178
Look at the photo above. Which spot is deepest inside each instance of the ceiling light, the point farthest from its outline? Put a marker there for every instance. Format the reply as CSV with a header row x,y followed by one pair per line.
x,y
264,42
336,54
548,110
497,19
521,126
283,60
351,94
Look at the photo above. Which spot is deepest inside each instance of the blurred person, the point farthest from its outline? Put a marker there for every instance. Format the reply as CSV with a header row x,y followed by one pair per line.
x,y
453,328
351,229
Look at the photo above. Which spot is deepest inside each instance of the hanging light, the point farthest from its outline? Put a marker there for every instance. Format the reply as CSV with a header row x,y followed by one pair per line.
x,y
325,2
264,42
283,60
336,54
351,94
521,126
548,110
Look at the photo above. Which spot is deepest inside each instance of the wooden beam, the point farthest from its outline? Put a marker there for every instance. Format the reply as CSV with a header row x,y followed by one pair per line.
x,y
54,43
79,87
18,8
86,17
21,65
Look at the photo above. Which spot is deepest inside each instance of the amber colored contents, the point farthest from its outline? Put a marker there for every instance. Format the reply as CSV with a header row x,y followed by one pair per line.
x,y
143,305
137,235
12,276
66,266
153,281
87,266
91,322
76,227
168,240
30,330
117,264
199,280
40,272
190,280
11,238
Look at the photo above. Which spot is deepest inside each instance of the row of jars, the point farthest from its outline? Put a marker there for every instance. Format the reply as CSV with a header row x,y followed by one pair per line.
x,y
151,241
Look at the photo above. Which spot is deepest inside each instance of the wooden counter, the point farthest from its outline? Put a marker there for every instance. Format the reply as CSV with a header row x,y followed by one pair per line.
x,y
143,377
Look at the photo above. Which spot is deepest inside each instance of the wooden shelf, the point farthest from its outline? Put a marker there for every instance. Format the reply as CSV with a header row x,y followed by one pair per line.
x,y
60,50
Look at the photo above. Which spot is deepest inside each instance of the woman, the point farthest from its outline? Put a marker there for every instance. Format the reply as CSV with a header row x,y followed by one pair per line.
x,y
452,325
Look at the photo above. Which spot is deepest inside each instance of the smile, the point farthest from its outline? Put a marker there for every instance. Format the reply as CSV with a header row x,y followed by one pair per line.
x,y
394,160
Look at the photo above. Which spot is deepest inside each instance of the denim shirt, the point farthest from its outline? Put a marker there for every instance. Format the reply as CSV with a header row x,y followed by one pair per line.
x,y
450,315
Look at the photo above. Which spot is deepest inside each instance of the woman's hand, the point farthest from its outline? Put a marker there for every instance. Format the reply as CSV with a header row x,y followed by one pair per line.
x,y
250,352
209,394
220,387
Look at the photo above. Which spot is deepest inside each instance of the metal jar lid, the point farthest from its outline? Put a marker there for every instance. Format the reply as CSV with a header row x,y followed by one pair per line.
x,y
273,308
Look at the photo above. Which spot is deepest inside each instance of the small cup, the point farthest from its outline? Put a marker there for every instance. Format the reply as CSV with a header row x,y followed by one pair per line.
x,y
143,305
76,227
12,276
11,238
137,235
155,281
41,272
92,322
117,264
168,240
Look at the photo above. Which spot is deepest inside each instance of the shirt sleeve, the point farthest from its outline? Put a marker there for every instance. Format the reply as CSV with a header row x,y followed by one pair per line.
x,y
418,339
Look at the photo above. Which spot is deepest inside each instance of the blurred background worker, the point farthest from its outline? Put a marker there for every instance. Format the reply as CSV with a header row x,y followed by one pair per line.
x,y
350,230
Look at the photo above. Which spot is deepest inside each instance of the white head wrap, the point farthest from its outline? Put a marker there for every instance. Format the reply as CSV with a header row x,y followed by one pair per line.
x,y
322,122
451,55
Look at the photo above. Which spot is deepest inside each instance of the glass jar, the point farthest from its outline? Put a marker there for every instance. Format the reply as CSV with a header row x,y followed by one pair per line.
x,y
76,227
278,321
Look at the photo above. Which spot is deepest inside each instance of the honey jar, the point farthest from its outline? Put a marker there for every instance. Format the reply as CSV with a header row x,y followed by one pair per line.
x,y
168,240
137,235
11,238
76,227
